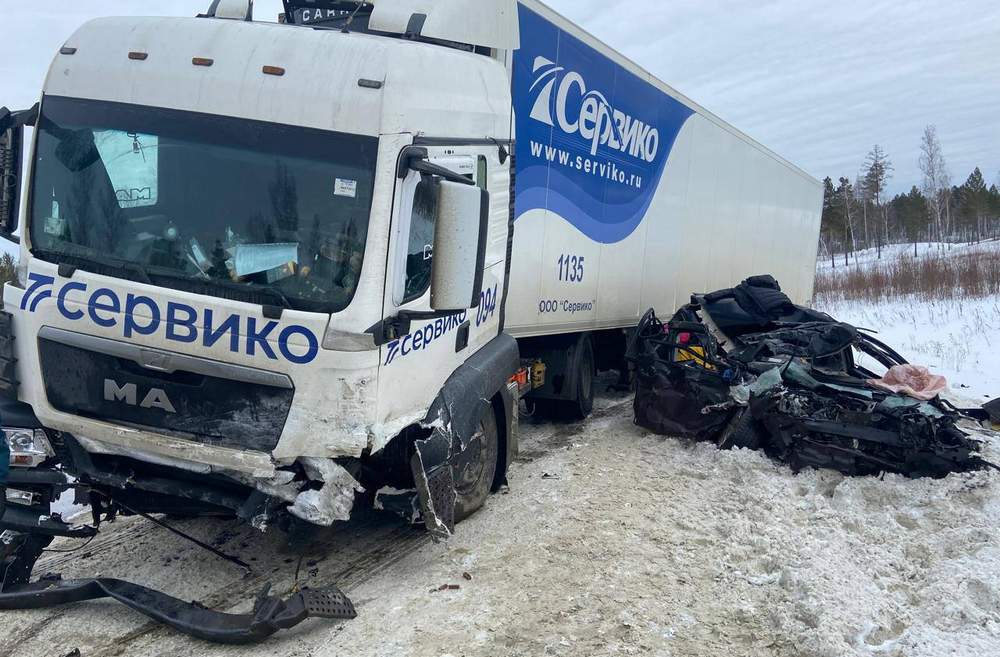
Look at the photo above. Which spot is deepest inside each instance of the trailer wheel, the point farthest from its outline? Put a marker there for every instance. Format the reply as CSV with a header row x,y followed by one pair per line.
x,y
581,407
475,468
584,404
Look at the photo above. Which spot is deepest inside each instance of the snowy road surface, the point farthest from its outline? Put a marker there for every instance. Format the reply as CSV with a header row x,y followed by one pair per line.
x,y
610,541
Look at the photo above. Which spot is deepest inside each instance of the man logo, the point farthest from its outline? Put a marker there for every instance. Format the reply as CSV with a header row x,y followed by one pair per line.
x,y
129,394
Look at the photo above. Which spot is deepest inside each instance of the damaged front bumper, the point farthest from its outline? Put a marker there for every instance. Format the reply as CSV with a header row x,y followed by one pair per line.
x,y
27,524
27,530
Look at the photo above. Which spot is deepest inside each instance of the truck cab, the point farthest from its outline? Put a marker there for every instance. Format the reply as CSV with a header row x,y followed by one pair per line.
x,y
263,266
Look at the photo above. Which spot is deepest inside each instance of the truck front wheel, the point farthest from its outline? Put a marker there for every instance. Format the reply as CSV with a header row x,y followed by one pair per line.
x,y
475,468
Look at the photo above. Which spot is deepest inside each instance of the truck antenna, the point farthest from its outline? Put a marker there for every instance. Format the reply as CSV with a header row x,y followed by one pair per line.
x,y
350,19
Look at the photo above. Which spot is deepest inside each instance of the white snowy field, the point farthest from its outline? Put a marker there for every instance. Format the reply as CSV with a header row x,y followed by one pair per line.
x,y
610,542
614,542
957,338
867,258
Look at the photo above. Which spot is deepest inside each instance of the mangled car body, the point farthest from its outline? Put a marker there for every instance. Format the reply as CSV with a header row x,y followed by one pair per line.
x,y
747,368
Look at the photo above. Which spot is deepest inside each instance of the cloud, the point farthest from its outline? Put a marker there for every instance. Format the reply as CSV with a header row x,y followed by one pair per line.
x,y
820,83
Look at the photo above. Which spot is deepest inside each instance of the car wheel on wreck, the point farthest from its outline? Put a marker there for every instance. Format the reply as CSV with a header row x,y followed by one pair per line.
x,y
474,469
743,433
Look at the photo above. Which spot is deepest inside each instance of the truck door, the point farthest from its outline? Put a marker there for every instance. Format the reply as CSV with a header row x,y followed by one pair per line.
x,y
415,366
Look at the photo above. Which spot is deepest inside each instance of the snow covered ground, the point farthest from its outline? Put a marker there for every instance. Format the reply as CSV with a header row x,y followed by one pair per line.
x,y
958,338
891,252
610,541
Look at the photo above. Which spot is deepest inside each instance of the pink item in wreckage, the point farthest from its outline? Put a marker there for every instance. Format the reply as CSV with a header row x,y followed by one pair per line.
x,y
913,381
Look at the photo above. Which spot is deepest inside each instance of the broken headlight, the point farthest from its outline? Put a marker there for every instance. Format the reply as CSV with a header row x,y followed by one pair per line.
x,y
22,497
29,448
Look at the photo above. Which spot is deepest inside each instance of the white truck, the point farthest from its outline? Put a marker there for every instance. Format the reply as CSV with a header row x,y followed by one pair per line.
x,y
275,270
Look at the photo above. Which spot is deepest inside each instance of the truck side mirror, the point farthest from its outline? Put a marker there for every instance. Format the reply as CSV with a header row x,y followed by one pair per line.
x,y
10,180
462,222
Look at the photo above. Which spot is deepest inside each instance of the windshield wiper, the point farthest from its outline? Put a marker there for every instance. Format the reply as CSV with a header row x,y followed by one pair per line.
x,y
133,271
195,285
95,262
278,294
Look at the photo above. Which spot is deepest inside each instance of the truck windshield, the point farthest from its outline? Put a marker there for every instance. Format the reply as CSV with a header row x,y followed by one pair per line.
x,y
246,210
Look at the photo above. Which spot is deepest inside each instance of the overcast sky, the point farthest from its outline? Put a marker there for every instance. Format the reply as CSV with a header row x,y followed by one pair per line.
x,y
819,83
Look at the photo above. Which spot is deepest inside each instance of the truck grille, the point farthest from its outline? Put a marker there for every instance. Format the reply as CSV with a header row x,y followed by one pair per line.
x,y
193,406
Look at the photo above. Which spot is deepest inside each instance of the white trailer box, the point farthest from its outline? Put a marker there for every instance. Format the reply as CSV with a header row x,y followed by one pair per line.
x,y
630,196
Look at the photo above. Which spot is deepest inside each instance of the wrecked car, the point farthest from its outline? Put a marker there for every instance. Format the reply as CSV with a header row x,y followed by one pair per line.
x,y
746,368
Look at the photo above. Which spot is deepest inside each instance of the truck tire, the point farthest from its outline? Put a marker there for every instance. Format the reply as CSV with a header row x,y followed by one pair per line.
x,y
583,406
475,468
580,408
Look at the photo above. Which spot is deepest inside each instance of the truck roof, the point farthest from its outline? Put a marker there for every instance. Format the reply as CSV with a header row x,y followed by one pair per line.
x,y
325,79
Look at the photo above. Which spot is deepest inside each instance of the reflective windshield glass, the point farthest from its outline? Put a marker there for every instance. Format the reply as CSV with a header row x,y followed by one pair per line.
x,y
240,209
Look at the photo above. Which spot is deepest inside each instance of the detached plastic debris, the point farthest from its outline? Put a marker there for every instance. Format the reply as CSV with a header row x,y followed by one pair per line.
x,y
270,614
747,368
913,381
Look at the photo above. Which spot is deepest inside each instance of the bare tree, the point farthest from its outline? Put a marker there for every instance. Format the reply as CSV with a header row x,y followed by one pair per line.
x,y
877,173
861,196
845,198
937,182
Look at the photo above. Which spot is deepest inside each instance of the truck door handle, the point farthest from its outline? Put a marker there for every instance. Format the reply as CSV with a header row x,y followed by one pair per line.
x,y
462,339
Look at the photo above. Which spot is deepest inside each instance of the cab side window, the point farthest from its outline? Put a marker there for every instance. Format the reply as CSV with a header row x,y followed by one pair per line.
x,y
482,173
420,251
420,247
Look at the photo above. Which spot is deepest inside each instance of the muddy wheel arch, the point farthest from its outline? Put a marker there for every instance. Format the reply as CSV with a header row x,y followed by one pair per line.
x,y
478,386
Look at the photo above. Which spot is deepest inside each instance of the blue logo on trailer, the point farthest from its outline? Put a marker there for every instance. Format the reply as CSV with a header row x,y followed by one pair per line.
x,y
592,137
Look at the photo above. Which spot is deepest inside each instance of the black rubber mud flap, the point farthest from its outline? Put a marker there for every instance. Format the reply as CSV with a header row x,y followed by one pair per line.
x,y
270,614
454,418
435,481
